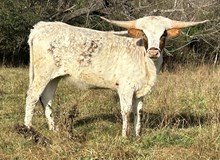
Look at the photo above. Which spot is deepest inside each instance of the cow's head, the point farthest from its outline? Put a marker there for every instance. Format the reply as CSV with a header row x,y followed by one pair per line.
x,y
154,30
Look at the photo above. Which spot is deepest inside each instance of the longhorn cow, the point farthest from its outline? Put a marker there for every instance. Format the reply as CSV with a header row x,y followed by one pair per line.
x,y
96,59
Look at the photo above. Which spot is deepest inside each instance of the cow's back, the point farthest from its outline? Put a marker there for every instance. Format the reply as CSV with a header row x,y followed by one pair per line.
x,y
90,58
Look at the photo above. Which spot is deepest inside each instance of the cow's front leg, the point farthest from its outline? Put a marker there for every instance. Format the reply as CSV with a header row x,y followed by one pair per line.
x,y
137,109
126,95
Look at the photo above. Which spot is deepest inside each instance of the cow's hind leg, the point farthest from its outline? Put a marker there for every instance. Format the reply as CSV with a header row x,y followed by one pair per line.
x,y
137,109
126,95
35,90
46,101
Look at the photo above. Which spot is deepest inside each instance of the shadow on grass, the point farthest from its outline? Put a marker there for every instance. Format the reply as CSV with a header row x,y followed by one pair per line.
x,y
181,120
115,118
150,120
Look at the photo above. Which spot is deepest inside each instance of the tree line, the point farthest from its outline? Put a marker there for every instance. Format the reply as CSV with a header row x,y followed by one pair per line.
x,y
198,45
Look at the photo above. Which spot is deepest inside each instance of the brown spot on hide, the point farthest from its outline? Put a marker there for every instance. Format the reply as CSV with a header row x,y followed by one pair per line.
x,y
85,58
56,58
163,40
50,50
145,43
136,33
162,43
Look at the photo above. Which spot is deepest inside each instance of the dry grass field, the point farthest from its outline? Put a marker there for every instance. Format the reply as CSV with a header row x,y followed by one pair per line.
x,y
180,120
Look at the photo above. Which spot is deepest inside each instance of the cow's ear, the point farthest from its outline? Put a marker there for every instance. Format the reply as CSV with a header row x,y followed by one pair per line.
x,y
136,33
173,33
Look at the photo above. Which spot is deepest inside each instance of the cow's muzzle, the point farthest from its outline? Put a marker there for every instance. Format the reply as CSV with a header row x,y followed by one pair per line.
x,y
153,53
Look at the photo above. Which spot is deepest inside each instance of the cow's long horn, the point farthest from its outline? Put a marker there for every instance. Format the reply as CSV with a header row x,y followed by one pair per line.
x,y
180,24
124,24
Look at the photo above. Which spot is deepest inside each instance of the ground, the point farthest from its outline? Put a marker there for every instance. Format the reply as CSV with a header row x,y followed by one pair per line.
x,y
180,120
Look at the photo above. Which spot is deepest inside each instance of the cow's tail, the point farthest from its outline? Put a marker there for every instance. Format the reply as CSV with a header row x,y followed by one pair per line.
x,y
31,66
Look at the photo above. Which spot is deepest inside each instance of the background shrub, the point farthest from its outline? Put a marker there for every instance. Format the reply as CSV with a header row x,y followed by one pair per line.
x,y
198,45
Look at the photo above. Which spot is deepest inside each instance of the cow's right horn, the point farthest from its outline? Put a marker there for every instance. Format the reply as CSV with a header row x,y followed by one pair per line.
x,y
124,24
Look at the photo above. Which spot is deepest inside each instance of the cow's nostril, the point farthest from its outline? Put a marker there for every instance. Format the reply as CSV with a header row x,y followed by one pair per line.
x,y
153,53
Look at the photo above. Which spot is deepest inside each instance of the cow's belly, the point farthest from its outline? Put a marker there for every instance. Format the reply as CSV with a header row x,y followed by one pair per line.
x,y
91,80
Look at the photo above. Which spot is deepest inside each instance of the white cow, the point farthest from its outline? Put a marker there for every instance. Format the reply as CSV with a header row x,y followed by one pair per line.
x,y
97,59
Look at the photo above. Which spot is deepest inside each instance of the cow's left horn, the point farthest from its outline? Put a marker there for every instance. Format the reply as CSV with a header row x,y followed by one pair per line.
x,y
124,24
180,24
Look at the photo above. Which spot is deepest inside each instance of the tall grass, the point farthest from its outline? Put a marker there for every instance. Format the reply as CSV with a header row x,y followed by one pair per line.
x,y
180,120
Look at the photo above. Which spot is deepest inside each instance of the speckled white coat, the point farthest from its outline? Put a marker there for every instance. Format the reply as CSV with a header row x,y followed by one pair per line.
x,y
89,59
